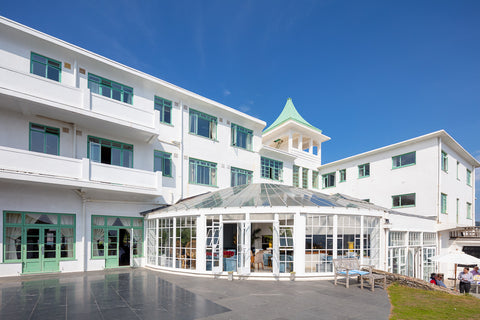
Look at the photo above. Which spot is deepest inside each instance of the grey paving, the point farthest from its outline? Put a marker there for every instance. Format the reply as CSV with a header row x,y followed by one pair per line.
x,y
146,294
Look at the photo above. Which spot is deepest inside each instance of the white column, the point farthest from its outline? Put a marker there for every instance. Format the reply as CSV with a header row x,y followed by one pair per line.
x,y
335,235
299,243
201,245
310,148
300,142
290,141
361,239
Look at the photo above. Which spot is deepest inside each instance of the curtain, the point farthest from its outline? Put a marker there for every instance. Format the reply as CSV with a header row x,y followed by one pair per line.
x,y
98,242
13,237
67,242
137,241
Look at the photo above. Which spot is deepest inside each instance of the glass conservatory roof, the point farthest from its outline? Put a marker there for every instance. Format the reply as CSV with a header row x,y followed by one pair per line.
x,y
266,195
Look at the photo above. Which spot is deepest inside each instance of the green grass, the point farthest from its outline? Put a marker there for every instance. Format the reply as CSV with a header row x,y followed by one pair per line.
x,y
410,303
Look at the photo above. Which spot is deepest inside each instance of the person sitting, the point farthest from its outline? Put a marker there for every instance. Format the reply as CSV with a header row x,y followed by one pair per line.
x,y
439,280
465,279
475,272
432,278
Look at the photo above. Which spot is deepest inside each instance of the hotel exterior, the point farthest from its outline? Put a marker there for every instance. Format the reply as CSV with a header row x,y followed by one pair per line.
x,y
103,166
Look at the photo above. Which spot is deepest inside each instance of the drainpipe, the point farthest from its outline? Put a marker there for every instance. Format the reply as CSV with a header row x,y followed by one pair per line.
x,y
181,151
74,151
439,153
84,239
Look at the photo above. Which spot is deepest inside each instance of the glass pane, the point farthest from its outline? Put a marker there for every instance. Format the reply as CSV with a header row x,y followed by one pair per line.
x,y
67,219
157,164
94,152
13,218
38,69
52,144
13,243
203,127
53,73
168,168
112,242
94,87
127,97
39,58
36,141
32,218
33,243
116,154
98,245
117,95
50,243
137,222
106,91
127,159
67,242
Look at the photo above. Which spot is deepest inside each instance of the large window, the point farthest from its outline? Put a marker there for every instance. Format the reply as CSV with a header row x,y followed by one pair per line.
x,y
203,172
110,152
469,177
328,180
240,176
296,176
45,67
349,236
364,170
403,160
469,210
318,243
110,89
44,139
315,175
164,106
271,169
162,162
203,124
186,242
444,161
443,203
242,137
165,242
403,200
286,247
304,178
343,175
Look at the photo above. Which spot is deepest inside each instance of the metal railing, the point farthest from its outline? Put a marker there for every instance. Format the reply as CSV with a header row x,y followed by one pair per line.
x,y
468,232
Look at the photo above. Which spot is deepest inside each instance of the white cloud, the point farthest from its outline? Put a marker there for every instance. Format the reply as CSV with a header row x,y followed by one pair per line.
x,y
244,108
226,92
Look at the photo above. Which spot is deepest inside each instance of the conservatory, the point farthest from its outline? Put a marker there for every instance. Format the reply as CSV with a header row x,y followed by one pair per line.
x,y
263,230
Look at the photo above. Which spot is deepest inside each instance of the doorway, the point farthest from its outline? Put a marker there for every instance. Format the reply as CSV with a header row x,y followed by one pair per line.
x,y
118,248
41,250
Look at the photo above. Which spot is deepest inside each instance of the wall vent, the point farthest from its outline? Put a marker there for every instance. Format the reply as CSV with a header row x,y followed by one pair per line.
x,y
81,70
79,133
176,104
67,65
185,107
65,130
228,121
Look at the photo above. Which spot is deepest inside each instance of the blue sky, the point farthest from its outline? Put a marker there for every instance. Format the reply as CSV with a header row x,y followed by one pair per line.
x,y
368,73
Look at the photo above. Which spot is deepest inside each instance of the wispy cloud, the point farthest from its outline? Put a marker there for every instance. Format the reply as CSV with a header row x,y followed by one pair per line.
x,y
226,92
244,108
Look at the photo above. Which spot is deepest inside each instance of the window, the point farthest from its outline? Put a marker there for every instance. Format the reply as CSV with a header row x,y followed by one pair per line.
x,y
315,176
444,161
44,139
110,152
203,124
403,160
443,205
469,210
343,175
458,167
203,172
164,106
296,176
403,200
469,177
45,67
364,170
162,161
328,180
242,137
240,177
271,169
110,89
304,178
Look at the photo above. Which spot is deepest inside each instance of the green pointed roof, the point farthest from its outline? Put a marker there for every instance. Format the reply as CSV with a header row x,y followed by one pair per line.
x,y
290,113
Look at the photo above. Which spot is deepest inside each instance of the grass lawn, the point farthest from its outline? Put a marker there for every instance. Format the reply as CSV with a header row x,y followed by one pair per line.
x,y
410,303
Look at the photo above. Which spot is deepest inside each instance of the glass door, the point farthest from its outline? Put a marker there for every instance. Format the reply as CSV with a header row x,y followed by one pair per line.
x,y
111,260
243,248
41,252
214,246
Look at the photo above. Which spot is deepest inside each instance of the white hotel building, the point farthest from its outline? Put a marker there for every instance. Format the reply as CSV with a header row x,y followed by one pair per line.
x,y
103,166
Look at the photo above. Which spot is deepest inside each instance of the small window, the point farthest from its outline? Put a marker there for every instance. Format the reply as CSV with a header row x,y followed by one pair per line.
x,y
328,180
110,152
202,172
403,200
458,167
242,137
164,106
315,175
343,175
404,160
162,162
110,89
304,178
443,205
364,170
444,161
271,169
45,67
240,177
44,139
469,177
296,176
203,124
469,210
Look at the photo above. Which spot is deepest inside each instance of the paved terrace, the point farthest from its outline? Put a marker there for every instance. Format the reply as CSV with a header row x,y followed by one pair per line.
x,y
145,294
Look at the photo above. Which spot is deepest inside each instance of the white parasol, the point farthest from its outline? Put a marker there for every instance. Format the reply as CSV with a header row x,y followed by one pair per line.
x,y
457,257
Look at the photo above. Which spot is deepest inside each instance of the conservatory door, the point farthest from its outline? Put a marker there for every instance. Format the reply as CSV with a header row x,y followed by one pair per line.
x,y
41,250
243,248
214,247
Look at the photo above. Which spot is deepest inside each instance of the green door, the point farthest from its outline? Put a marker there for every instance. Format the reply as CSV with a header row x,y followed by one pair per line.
x,y
41,250
111,260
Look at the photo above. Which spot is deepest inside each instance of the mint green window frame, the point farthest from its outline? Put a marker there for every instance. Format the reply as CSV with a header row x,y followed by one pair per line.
x,y
469,211
110,89
315,175
202,124
364,170
404,200
162,161
296,176
47,133
469,177
328,180
63,221
202,172
304,178
164,106
404,160
444,161
123,150
241,137
343,175
45,67
271,169
240,176
443,203
101,223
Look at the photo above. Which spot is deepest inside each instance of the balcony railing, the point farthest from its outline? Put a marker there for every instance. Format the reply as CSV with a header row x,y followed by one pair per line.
x,y
468,232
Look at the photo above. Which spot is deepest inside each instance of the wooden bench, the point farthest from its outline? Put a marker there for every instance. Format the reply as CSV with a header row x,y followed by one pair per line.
x,y
350,267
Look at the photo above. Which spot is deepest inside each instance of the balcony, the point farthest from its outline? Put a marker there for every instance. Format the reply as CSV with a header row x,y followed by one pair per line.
x,y
21,165
465,233
32,94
